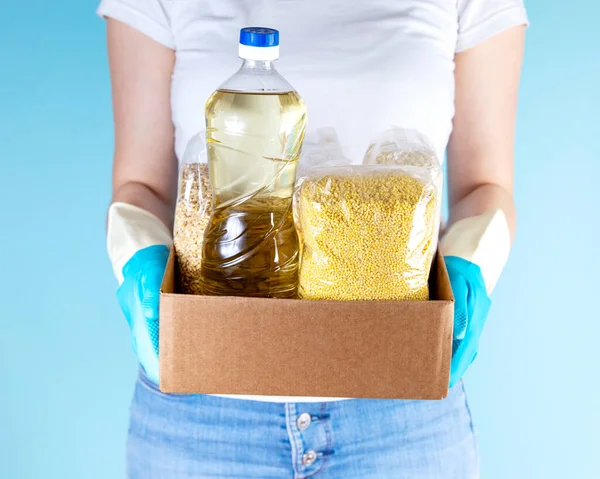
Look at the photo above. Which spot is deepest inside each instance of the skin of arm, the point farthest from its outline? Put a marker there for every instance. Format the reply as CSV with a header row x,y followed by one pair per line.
x,y
145,166
481,147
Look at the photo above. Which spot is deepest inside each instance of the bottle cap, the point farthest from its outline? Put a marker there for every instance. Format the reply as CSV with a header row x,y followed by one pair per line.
x,y
257,43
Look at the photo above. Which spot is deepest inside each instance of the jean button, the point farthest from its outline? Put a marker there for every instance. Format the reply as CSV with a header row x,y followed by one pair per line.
x,y
303,421
309,458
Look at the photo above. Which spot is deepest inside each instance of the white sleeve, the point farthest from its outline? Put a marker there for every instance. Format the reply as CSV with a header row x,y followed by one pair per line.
x,y
151,17
479,20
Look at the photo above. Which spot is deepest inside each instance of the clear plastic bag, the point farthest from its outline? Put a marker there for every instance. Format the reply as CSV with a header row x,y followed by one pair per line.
x,y
321,148
402,147
369,231
408,148
192,213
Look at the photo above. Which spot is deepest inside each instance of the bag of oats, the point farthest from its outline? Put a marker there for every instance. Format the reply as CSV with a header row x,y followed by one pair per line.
x,y
192,213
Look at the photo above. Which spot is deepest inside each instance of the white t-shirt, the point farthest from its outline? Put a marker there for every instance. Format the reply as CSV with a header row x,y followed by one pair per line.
x,y
360,66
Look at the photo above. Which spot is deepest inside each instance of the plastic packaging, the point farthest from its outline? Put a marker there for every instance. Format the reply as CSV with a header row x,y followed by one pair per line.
x,y
369,231
192,213
402,147
321,148
255,129
408,148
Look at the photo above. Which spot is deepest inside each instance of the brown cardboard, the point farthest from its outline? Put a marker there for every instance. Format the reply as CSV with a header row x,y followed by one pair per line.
x,y
232,345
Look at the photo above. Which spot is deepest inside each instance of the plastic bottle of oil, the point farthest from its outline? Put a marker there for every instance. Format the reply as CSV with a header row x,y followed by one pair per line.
x,y
255,126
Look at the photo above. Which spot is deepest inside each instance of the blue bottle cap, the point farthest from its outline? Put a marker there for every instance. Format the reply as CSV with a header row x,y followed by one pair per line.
x,y
259,37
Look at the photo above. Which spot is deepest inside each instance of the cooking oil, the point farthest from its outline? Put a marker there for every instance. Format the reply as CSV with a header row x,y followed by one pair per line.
x,y
251,249
254,141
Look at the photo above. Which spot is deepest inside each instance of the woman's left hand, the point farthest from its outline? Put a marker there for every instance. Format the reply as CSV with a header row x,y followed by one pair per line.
x,y
471,307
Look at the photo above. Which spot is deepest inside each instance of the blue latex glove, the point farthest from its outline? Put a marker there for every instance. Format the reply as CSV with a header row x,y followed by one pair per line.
x,y
471,307
138,297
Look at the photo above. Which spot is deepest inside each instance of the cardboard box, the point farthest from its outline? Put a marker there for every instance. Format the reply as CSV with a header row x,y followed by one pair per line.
x,y
287,347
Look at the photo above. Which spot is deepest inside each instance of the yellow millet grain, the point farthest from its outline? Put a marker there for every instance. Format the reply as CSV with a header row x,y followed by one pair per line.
x,y
406,158
192,214
366,237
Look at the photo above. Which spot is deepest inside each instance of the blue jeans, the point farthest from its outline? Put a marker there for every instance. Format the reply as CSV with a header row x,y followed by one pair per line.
x,y
184,437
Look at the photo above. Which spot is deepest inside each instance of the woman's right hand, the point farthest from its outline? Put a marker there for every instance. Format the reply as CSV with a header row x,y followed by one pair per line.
x,y
144,180
138,297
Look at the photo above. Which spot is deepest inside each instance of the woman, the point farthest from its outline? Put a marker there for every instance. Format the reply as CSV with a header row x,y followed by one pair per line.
x,y
449,69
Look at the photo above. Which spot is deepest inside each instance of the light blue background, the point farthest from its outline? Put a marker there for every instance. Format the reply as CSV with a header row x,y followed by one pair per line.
x,y
535,388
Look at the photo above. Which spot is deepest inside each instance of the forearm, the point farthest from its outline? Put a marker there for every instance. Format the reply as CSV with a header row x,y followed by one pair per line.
x,y
483,199
142,196
481,229
481,152
145,167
